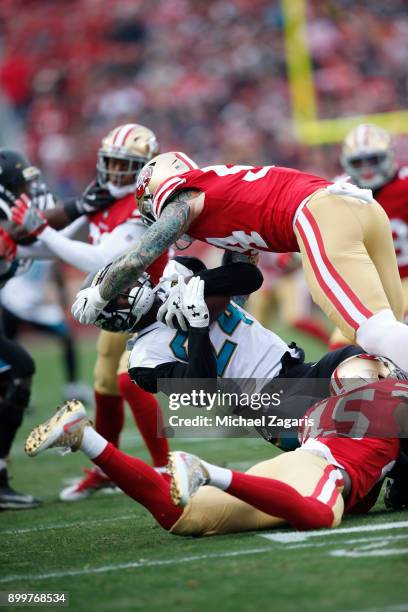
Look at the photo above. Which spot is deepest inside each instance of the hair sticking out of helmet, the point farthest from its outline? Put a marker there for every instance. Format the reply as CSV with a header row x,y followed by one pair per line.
x,y
368,156
123,152
154,174
360,370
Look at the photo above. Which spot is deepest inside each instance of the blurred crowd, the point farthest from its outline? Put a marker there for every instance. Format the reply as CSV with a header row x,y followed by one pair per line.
x,y
208,76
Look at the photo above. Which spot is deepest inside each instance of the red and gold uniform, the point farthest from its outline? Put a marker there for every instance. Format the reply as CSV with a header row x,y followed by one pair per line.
x,y
345,241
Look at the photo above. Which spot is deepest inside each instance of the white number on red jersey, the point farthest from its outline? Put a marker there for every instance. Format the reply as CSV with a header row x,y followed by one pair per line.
x,y
400,236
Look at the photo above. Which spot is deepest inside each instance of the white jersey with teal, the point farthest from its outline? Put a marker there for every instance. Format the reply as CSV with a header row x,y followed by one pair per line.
x,y
244,349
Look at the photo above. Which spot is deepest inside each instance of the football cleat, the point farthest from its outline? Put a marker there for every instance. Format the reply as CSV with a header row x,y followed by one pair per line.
x,y
63,430
94,480
187,475
10,499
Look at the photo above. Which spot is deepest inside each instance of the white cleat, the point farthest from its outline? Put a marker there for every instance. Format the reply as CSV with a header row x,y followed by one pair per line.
x,y
187,475
64,430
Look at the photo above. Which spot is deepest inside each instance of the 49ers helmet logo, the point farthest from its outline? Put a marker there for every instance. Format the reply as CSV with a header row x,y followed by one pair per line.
x,y
143,180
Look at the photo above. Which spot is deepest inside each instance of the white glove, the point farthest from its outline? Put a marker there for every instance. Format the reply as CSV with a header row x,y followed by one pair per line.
x,y
172,307
193,303
88,305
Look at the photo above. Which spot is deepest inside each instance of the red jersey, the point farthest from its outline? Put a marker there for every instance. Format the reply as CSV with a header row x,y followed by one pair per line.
x,y
246,208
103,222
393,197
344,427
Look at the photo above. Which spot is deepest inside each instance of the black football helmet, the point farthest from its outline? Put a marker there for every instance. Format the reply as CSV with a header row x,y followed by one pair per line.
x,y
17,176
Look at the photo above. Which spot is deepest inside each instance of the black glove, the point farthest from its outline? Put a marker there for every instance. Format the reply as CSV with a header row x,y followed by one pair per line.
x,y
93,199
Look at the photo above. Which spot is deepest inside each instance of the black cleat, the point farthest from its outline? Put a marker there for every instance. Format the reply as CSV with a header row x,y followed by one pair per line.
x,y
13,500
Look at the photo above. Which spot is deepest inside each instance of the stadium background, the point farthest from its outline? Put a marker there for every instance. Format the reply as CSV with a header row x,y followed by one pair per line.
x,y
226,81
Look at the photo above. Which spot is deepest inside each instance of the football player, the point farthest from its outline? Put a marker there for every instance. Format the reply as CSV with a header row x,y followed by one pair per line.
x,y
368,159
230,344
309,488
17,367
109,210
343,235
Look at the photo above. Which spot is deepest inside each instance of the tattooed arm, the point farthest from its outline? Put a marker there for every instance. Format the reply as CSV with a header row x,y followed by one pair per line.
x,y
175,219
125,270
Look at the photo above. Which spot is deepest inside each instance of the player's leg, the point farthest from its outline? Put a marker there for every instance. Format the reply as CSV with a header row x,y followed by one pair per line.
x,y
337,340
335,236
109,411
70,428
296,487
17,369
147,414
294,303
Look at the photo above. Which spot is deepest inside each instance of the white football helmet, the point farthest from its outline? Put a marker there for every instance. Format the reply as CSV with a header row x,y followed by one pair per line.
x,y
368,156
131,146
360,370
123,312
153,174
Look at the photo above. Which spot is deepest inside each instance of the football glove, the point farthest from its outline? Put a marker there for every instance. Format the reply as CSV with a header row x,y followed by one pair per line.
x,y
88,305
94,198
172,308
396,494
193,303
28,216
8,247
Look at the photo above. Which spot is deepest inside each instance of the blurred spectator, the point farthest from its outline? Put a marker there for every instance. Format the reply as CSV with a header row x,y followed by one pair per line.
x,y
208,75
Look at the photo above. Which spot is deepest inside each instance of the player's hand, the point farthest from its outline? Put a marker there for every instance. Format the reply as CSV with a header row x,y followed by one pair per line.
x,y
88,305
193,303
172,308
28,216
94,198
8,247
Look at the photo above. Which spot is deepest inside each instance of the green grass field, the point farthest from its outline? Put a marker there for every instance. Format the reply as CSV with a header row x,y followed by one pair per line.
x,y
109,554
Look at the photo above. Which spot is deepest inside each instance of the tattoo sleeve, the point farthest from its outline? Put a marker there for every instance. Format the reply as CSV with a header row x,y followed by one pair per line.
x,y
125,270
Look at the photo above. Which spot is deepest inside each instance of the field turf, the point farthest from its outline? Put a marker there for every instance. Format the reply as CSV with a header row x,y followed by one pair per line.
x,y
108,553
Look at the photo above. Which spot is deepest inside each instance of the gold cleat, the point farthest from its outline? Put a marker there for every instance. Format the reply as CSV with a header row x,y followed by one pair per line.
x,y
187,476
65,430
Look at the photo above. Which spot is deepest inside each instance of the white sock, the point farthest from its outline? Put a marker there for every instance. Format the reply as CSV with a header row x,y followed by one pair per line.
x,y
383,335
92,443
3,464
219,477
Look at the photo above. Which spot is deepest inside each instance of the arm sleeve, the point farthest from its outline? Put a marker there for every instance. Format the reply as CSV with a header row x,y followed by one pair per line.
x,y
88,257
202,363
232,279
38,250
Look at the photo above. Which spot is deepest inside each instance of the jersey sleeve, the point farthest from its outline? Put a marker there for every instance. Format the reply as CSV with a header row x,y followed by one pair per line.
x,y
164,192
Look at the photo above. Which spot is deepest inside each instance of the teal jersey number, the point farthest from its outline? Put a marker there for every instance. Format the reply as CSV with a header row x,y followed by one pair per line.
x,y
228,321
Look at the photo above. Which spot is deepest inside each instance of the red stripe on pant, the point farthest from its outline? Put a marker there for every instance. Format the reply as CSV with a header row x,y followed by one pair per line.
x,y
324,286
332,270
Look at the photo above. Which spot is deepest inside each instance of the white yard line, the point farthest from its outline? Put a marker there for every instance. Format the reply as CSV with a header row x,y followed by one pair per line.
x,y
133,565
113,519
301,536
370,539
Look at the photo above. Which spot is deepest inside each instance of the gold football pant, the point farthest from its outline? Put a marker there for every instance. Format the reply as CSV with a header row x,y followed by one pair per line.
x,y
110,348
338,339
214,512
349,259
